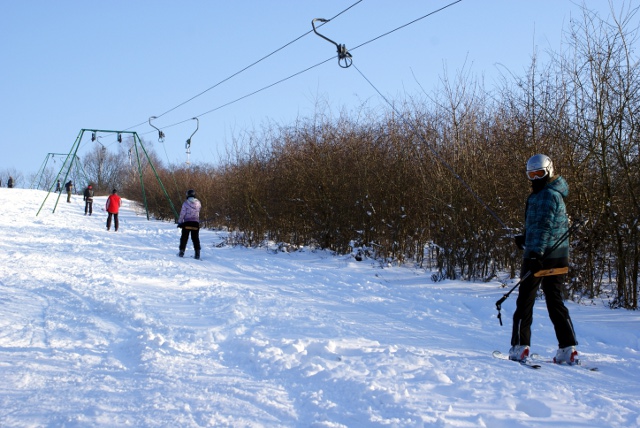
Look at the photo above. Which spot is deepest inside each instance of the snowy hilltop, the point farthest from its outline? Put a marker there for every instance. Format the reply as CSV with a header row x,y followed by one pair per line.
x,y
112,329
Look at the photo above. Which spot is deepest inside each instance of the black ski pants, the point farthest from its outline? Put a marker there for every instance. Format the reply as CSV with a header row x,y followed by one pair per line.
x,y
190,228
558,312
88,207
115,221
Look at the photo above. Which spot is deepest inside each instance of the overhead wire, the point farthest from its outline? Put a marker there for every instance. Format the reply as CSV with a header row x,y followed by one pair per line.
x,y
232,76
310,67
242,70
411,125
223,81
406,25
251,93
413,128
285,78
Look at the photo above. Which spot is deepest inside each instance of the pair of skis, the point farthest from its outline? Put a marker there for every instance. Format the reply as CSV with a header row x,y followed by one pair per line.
x,y
535,361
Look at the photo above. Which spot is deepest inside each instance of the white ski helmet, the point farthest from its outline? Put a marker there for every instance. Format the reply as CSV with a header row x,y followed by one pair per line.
x,y
539,166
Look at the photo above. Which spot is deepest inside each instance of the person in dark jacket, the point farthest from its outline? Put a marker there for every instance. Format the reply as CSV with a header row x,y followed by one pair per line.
x,y
58,187
113,207
88,200
189,222
546,222
10,183
69,188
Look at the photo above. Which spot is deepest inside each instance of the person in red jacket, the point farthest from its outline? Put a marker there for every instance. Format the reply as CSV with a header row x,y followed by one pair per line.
x,y
113,206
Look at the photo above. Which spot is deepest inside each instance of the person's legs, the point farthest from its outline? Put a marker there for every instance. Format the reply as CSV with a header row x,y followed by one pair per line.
x,y
195,237
184,237
115,221
558,312
523,315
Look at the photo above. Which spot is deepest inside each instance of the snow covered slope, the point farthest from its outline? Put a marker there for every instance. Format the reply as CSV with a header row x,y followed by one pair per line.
x,y
112,329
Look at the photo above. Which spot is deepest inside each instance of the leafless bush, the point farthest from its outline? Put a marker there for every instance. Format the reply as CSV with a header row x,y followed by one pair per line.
x,y
440,182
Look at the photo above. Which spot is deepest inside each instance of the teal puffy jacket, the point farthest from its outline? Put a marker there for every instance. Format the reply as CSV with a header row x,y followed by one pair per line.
x,y
546,220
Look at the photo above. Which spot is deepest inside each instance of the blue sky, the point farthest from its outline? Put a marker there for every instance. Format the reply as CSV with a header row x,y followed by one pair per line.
x,y
72,64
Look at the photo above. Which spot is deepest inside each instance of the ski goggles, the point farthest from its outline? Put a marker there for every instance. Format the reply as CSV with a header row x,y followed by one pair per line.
x,y
537,174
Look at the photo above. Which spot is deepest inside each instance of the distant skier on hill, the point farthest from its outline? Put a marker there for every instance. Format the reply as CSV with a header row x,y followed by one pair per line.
x,y
69,188
189,222
88,200
113,207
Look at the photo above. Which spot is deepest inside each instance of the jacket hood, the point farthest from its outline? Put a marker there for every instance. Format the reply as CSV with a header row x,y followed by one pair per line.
x,y
559,185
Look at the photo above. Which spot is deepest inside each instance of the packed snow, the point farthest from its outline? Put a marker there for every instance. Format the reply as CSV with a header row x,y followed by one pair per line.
x,y
112,329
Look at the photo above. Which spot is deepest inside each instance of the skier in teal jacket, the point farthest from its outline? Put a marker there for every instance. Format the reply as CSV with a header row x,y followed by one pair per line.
x,y
546,223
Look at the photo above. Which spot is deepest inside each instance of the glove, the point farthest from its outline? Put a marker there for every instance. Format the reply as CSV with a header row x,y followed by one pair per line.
x,y
534,263
519,240
180,225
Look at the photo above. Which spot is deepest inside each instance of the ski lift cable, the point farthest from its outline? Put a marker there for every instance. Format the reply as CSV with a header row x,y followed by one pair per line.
x,y
323,21
249,94
342,51
407,24
243,69
344,57
292,75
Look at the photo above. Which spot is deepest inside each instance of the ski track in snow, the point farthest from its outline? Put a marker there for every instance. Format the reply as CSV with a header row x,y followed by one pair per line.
x,y
112,329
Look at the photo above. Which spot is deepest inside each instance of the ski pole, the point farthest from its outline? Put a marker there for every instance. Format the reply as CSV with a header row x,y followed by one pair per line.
x,y
560,240
503,298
